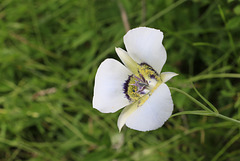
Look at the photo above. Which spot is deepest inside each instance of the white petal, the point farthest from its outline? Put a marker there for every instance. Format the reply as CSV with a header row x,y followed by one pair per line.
x,y
144,45
126,112
108,89
127,60
166,76
154,112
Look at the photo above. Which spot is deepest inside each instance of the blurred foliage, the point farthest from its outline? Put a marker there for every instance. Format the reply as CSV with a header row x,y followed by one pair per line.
x,y
49,54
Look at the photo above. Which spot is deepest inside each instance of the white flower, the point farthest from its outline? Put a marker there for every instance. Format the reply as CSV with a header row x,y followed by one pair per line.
x,y
138,86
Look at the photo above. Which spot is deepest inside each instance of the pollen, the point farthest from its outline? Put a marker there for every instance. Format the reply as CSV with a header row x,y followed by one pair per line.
x,y
138,87
132,90
148,72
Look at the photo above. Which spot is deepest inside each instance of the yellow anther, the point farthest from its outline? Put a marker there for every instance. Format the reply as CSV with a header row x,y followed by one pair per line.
x,y
141,85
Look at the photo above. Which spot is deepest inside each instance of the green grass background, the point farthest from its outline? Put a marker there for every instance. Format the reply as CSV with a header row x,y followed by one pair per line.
x,y
50,51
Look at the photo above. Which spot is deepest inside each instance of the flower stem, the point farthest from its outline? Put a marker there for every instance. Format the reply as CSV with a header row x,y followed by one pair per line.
x,y
208,111
205,100
192,99
227,118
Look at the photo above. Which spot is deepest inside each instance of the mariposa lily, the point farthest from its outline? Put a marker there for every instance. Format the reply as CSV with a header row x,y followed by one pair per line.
x,y
138,86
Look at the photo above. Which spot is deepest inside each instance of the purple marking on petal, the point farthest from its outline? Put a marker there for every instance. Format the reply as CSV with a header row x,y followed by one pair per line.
x,y
150,68
125,87
153,77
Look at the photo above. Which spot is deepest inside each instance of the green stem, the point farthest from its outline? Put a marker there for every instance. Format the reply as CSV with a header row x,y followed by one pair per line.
x,y
211,113
227,118
191,98
204,99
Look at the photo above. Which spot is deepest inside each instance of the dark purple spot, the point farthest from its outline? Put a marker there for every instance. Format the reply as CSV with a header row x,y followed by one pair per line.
x,y
153,76
125,87
150,68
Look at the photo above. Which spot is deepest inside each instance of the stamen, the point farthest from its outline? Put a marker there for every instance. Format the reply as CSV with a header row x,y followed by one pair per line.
x,y
138,85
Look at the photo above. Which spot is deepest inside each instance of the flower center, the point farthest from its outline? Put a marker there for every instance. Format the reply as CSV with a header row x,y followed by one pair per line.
x,y
142,83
